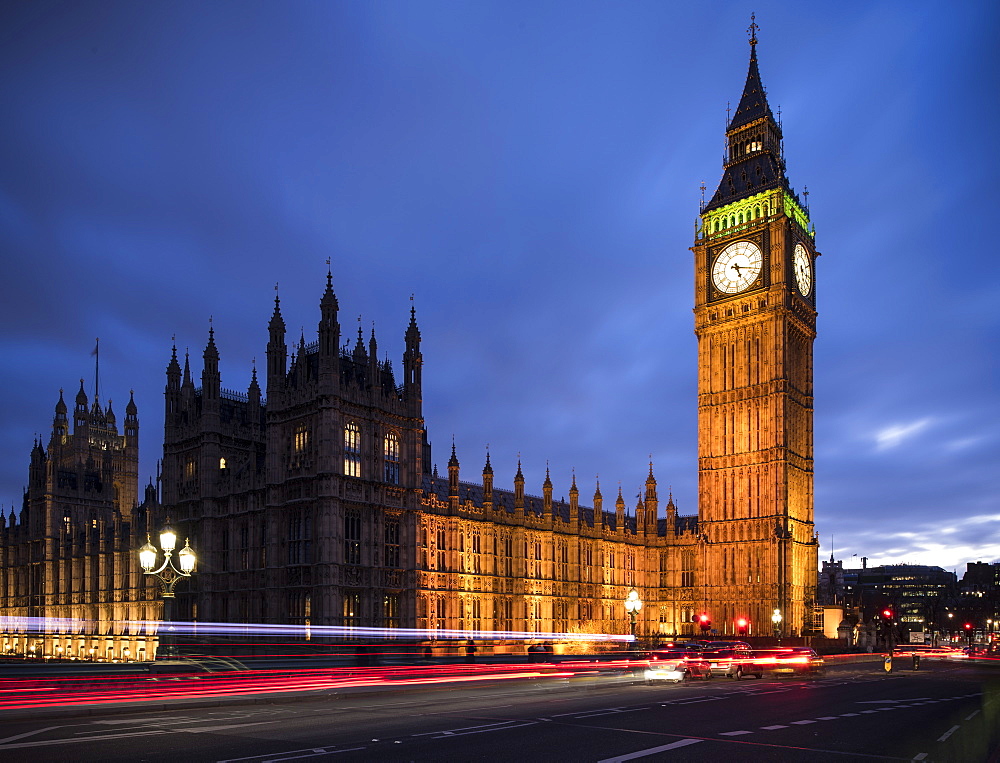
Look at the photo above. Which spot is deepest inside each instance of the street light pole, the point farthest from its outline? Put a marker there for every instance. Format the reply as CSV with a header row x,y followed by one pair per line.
x,y
632,605
776,619
168,575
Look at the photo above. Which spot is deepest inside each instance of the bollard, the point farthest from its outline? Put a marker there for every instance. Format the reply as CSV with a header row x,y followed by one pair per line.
x,y
916,661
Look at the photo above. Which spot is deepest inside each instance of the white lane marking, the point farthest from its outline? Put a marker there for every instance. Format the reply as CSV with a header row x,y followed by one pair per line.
x,y
464,728
482,730
827,718
920,756
865,712
972,715
293,754
801,723
88,740
733,733
774,727
848,715
209,729
650,751
947,734
28,734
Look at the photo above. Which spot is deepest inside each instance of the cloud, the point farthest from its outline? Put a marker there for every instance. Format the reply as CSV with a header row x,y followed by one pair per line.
x,y
892,436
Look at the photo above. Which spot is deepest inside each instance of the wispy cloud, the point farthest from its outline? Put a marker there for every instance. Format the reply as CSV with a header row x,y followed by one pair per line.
x,y
892,436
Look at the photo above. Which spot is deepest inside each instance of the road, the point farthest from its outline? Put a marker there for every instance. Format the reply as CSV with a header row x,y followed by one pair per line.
x,y
944,712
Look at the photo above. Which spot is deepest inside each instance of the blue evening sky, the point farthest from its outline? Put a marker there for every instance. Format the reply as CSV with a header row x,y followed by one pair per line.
x,y
530,172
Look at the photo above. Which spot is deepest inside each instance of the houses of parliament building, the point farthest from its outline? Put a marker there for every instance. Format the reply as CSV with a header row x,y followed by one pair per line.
x,y
315,500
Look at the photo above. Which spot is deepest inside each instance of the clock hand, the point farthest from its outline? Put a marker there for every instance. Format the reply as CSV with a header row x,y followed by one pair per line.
x,y
737,269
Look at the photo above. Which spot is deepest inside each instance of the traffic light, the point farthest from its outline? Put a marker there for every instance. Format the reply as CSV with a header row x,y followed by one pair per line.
x,y
741,626
968,626
887,613
704,622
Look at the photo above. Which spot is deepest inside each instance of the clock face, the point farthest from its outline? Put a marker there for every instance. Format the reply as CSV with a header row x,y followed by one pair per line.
x,y
803,269
736,267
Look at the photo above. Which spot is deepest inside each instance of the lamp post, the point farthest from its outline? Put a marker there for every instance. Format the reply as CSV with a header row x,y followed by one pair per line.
x,y
168,575
776,619
632,605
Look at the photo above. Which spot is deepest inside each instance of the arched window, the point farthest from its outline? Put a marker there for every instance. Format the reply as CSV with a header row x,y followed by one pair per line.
x,y
756,211
391,458
352,450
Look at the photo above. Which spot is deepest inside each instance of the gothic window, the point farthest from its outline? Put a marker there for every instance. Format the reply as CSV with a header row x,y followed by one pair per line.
x,y
225,549
477,548
391,554
391,454
687,568
350,608
476,607
244,547
390,610
300,440
352,537
189,468
352,450
222,463
299,538
507,555
441,543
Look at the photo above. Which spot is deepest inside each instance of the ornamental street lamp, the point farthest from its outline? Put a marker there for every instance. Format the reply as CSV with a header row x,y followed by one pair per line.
x,y
632,605
776,619
168,575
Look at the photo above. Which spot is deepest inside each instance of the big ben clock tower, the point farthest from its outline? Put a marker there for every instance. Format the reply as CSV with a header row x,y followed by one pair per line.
x,y
755,319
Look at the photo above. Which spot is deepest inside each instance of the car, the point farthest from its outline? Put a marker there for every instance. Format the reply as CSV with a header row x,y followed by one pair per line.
x,y
734,662
794,660
726,644
676,665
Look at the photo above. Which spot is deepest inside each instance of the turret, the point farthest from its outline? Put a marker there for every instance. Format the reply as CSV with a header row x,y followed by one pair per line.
x,y
620,512
36,470
547,495
412,365
453,477
519,488
574,503
277,351
210,379
81,418
109,417
253,391
373,373
329,328
651,503
172,392
60,422
131,421
488,484
598,506
671,514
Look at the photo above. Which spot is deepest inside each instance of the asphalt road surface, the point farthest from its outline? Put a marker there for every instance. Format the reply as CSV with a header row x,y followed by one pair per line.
x,y
946,711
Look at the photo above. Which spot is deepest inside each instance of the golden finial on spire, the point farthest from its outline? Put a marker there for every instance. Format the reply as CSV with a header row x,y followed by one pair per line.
x,y
752,30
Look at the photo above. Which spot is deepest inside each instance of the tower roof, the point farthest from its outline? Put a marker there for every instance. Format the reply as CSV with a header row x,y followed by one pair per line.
x,y
753,103
753,162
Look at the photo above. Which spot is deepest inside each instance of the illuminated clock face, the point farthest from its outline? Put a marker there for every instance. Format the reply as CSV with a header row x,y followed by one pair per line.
x,y
736,267
803,269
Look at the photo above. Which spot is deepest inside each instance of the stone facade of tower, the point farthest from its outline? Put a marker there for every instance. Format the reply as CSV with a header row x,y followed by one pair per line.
x,y
70,555
755,319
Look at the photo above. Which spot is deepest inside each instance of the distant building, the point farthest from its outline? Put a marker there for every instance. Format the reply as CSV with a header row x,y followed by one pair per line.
x,y
918,595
